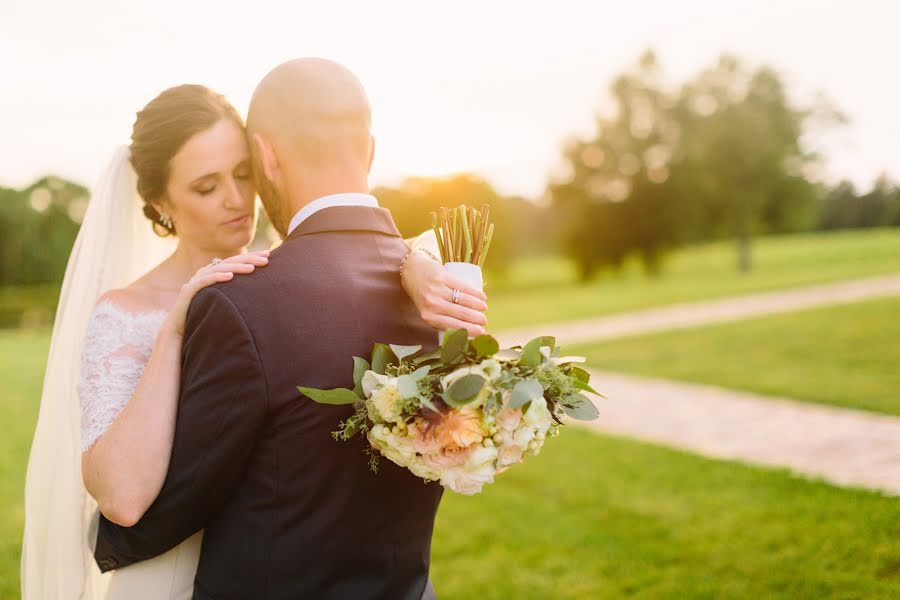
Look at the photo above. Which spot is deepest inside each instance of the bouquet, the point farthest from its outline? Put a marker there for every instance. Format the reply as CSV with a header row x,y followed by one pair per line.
x,y
468,410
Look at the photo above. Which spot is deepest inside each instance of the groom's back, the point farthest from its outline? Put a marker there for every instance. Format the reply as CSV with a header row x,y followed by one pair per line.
x,y
309,519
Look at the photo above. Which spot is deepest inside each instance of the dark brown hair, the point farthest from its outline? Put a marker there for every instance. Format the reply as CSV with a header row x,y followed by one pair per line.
x,y
161,129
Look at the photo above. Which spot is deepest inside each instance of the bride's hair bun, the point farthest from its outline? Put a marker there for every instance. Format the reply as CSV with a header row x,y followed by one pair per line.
x,y
161,129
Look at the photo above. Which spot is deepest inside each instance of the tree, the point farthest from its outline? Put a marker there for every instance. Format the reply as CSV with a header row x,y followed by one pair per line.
x,y
741,158
619,198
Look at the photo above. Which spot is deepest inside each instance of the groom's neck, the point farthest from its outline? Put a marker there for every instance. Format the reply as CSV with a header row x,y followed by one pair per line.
x,y
339,183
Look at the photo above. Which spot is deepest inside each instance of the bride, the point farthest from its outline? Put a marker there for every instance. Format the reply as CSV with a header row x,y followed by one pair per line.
x,y
106,422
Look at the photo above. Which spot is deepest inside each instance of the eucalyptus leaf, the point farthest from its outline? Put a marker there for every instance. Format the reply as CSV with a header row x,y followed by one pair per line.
x,y
382,356
580,374
524,392
580,407
407,387
485,345
427,403
433,355
508,354
402,352
464,389
456,341
531,353
582,385
337,396
420,373
360,366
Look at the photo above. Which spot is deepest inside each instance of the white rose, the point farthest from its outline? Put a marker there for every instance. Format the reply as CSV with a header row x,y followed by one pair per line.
x,y
395,448
538,415
510,454
523,436
420,469
388,402
471,477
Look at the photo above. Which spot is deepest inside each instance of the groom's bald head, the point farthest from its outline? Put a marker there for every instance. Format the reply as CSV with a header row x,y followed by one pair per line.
x,y
309,123
314,107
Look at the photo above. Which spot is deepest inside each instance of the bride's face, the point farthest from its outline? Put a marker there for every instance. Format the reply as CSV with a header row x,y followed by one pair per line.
x,y
210,194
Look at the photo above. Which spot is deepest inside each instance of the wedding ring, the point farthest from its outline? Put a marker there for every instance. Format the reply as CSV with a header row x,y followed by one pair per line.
x,y
215,261
455,296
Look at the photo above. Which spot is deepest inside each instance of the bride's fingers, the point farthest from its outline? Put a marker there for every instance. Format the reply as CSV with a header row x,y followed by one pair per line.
x,y
462,313
444,323
467,300
453,283
201,281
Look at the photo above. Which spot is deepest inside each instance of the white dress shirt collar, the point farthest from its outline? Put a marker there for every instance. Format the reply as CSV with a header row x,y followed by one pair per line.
x,y
346,199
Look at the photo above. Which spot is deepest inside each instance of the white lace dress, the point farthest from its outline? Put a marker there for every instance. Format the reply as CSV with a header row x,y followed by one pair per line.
x,y
117,347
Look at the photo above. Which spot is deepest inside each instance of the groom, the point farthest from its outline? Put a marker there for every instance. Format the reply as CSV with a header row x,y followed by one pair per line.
x,y
289,512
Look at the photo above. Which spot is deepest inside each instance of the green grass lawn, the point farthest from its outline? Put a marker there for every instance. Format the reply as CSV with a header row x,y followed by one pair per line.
x,y
592,517
601,517
22,358
546,289
846,355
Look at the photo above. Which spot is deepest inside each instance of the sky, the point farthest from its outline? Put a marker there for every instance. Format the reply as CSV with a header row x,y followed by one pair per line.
x,y
491,87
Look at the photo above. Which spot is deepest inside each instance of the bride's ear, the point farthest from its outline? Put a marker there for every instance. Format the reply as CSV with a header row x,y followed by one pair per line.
x,y
268,162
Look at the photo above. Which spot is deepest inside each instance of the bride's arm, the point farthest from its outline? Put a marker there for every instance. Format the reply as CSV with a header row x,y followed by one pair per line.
x,y
125,469
431,288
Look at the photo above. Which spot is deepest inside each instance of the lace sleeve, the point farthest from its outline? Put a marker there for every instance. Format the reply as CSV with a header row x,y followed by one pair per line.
x,y
117,346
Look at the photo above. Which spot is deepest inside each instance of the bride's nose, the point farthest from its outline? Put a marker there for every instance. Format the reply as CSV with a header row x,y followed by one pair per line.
x,y
233,198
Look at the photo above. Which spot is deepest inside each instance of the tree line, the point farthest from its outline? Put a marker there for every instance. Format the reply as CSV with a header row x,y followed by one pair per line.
x,y
719,156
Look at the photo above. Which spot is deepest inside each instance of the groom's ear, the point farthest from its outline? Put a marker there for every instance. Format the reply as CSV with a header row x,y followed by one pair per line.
x,y
371,152
267,159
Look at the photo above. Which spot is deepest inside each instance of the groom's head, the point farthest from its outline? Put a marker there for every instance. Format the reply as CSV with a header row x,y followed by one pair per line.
x,y
309,129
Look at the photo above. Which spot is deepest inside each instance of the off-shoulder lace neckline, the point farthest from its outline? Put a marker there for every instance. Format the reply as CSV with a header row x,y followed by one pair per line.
x,y
107,305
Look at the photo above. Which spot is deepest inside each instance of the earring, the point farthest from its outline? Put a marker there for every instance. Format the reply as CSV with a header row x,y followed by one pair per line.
x,y
165,220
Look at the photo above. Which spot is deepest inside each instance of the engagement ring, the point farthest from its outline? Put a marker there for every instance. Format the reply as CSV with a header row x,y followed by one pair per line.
x,y
455,296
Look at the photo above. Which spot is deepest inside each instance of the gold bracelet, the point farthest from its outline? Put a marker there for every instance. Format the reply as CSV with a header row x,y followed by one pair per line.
x,y
427,253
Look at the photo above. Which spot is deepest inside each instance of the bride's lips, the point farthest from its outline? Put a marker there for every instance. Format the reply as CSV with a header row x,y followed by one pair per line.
x,y
238,222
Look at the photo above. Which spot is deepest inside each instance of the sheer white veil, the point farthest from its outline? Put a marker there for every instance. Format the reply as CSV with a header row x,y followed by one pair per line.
x,y
115,246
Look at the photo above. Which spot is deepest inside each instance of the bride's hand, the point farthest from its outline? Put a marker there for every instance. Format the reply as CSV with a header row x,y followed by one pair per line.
x,y
431,288
207,276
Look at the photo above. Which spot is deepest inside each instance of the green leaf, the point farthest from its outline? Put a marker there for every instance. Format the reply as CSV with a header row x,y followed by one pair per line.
x,y
581,385
456,341
531,353
427,403
407,386
580,407
464,389
433,355
525,391
580,374
420,373
508,354
337,396
402,352
382,356
360,366
485,345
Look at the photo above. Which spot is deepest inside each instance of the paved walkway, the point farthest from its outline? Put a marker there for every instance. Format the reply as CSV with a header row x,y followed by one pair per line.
x,y
681,316
842,446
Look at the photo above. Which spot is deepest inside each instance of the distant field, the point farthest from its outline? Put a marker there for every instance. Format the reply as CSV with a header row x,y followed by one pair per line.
x,y
546,289
846,355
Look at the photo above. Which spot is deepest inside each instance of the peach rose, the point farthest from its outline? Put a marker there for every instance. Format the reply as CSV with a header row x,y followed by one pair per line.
x,y
459,428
